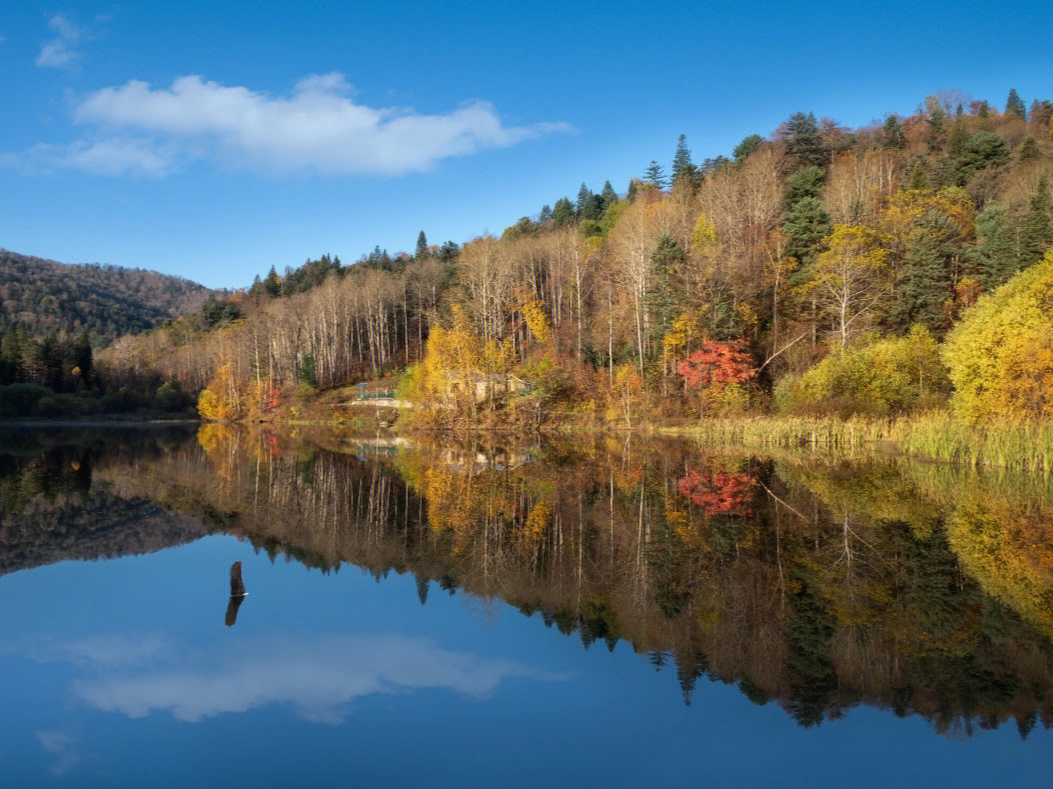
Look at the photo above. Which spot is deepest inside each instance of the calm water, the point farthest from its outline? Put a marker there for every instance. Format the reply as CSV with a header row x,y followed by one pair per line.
x,y
594,613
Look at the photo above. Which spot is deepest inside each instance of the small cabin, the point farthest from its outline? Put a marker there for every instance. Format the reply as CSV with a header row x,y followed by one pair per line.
x,y
483,385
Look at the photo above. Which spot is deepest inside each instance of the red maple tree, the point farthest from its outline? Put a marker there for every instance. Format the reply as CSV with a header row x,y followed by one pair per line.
x,y
718,363
719,492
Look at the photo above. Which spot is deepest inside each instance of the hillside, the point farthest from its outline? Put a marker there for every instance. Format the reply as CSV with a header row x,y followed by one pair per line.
x,y
816,271
106,301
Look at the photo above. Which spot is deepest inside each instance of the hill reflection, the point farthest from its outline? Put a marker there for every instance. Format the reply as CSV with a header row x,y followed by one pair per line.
x,y
816,585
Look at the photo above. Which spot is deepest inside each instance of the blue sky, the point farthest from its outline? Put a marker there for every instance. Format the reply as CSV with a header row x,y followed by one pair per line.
x,y
213,140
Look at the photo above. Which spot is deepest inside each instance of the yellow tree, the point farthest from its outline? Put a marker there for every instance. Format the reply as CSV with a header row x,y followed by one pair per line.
x,y
221,399
850,280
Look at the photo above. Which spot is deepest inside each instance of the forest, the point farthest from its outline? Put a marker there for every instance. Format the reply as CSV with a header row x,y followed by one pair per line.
x,y
887,270
53,316
44,297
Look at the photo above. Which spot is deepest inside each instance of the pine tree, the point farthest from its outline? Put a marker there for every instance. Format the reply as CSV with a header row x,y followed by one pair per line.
x,y
608,195
803,141
422,246
893,136
12,351
682,164
563,213
593,208
935,120
1014,105
806,226
924,285
82,356
994,253
545,215
663,298
272,283
1036,232
1029,151
918,179
748,145
804,183
655,175
583,198
958,139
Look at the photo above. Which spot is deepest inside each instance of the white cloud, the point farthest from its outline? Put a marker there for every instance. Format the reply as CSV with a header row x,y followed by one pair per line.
x,y
104,156
62,746
319,678
62,49
319,127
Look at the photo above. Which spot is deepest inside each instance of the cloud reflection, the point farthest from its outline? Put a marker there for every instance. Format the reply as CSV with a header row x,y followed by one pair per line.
x,y
63,747
319,677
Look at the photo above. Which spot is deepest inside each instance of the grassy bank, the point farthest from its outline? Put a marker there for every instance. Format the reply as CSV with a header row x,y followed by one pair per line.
x,y
934,436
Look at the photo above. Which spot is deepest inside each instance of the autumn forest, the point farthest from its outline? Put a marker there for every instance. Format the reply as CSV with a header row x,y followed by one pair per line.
x,y
822,272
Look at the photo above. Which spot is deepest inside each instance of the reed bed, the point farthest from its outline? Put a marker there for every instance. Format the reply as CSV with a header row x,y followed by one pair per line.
x,y
938,436
934,436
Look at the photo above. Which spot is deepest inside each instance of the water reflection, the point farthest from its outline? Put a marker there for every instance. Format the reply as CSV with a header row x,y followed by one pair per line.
x,y
318,677
817,585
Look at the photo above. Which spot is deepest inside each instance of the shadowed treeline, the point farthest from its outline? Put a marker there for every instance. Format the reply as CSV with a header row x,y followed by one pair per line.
x,y
51,511
816,585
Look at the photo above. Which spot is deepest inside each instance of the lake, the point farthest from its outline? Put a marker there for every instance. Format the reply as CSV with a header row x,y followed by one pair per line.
x,y
594,611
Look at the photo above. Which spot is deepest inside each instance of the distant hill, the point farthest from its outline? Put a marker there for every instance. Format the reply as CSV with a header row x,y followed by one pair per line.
x,y
107,301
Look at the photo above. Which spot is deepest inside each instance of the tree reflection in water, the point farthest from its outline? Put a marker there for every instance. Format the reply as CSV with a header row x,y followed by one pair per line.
x,y
815,584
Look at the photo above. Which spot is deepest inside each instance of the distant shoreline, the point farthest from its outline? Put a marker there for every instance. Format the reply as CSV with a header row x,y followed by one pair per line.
x,y
95,422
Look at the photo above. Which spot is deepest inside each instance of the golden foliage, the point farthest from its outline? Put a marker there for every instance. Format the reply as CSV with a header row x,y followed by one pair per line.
x,y
1001,354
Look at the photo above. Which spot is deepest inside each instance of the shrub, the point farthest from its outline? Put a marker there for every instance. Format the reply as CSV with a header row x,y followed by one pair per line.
x,y
1000,356
892,376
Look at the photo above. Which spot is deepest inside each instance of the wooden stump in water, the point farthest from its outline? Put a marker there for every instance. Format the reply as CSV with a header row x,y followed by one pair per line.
x,y
237,588
232,610
237,594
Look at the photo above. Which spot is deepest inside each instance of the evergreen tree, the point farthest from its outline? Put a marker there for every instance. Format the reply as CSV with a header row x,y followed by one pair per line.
x,y
422,246
608,195
1014,105
48,361
748,145
893,136
12,351
807,224
958,139
272,283
545,215
1036,232
980,151
655,175
804,183
1029,151
634,187
935,120
448,252
682,165
82,356
918,179
803,141
924,285
593,208
663,297
994,254
583,196
563,213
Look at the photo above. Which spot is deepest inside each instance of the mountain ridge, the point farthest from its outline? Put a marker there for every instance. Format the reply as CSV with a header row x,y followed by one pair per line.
x,y
47,296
